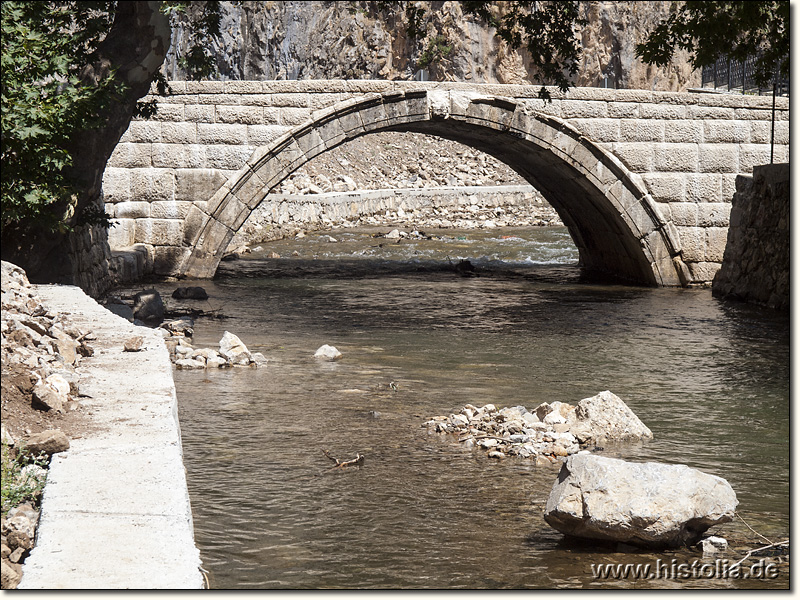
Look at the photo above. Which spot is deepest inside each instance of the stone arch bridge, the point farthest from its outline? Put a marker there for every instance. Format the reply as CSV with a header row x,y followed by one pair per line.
x,y
642,179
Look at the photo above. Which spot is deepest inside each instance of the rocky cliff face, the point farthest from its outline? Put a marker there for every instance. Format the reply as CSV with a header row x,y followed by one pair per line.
x,y
357,40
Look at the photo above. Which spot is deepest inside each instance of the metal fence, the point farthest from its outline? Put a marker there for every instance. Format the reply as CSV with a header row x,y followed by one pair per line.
x,y
735,76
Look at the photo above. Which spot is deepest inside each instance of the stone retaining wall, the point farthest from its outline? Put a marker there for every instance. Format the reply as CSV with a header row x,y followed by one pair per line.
x,y
115,510
284,214
755,267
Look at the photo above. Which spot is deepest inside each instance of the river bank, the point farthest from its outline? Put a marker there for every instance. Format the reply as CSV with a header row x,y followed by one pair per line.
x,y
119,489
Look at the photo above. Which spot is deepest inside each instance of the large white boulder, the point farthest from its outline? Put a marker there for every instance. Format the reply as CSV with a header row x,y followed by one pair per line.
x,y
652,505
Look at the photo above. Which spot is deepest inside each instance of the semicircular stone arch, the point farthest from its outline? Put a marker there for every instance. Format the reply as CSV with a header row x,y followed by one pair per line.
x,y
612,218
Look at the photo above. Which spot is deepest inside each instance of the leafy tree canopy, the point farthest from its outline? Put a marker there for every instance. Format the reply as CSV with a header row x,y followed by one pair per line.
x,y
713,29
58,82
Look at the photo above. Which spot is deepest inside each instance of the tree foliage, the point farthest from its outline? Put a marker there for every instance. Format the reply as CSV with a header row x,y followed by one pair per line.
x,y
45,101
58,83
547,30
713,29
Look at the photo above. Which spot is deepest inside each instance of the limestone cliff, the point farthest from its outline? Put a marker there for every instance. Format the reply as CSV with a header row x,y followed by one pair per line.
x,y
358,40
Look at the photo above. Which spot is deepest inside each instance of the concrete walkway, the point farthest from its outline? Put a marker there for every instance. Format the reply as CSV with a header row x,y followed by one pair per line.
x,y
115,511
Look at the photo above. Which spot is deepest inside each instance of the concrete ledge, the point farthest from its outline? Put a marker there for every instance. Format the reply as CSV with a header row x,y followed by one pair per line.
x,y
115,511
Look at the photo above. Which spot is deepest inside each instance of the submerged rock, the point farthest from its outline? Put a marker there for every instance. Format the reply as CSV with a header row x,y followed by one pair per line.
x,y
650,505
190,293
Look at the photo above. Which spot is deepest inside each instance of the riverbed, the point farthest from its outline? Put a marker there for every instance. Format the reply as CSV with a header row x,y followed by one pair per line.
x,y
422,336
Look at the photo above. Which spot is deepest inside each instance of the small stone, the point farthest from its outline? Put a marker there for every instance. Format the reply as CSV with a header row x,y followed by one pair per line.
x,y
19,539
184,351
554,418
258,359
67,347
44,397
134,344
394,234
189,363
459,420
203,353
22,524
48,442
329,353
11,575
233,349
216,362
32,475
714,545
488,443
496,454
16,555
559,450
6,437
184,326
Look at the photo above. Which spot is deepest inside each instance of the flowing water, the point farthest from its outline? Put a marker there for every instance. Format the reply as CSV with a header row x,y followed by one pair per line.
x,y
422,336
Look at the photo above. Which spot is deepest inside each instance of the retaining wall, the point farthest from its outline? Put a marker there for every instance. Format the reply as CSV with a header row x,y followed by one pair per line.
x,y
115,510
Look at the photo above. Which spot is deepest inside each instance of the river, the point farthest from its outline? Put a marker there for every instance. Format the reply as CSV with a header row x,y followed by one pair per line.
x,y
517,326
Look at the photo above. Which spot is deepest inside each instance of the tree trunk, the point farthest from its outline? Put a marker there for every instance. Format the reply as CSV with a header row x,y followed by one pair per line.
x,y
136,47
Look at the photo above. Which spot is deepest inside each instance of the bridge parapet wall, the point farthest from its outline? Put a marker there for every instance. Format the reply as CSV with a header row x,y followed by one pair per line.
x,y
688,149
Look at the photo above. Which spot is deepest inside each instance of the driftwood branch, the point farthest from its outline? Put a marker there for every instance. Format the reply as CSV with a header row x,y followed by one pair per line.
x,y
341,464
769,541
751,552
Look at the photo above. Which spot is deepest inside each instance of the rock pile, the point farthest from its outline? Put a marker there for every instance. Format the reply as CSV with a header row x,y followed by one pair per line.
x,y
549,432
41,343
232,351
473,215
39,352
19,533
